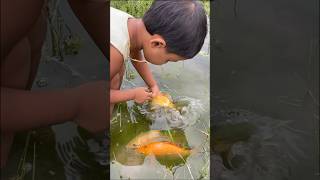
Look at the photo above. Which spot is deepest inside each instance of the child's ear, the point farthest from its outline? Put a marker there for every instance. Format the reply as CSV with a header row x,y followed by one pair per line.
x,y
158,42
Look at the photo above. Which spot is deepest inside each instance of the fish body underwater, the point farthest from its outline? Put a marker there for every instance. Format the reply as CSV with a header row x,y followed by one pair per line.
x,y
146,138
163,149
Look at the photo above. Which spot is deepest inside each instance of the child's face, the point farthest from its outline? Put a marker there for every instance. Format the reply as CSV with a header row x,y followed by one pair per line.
x,y
155,51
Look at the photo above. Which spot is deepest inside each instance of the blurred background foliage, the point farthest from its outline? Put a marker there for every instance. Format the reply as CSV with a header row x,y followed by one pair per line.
x,y
138,8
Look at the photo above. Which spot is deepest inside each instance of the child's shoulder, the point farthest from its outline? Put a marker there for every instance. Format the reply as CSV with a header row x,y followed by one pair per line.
x,y
118,12
119,35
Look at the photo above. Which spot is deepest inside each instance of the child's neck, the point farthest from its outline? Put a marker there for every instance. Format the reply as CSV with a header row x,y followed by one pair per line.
x,y
137,31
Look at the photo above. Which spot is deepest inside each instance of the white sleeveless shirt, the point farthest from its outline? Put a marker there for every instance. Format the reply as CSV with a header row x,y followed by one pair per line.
x,y
119,34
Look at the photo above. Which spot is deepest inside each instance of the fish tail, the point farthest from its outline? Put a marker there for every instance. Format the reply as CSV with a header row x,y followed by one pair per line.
x,y
197,150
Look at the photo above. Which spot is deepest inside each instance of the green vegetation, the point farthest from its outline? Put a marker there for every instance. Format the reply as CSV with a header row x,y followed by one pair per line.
x,y
63,40
135,8
138,8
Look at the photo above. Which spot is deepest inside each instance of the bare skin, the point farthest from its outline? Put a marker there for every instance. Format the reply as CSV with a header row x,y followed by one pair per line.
x,y
154,50
23,28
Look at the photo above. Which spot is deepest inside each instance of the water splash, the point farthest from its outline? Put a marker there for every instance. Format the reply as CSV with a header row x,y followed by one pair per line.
x,y
186,112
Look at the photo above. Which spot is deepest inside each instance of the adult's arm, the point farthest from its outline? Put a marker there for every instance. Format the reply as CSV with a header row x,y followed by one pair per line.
x,y
25,12
22,110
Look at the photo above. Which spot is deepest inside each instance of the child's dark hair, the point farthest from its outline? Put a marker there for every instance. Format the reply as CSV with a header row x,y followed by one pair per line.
x,y
182,24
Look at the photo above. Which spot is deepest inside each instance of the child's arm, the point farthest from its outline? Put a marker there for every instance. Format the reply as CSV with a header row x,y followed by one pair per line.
x,y
139,94
144,71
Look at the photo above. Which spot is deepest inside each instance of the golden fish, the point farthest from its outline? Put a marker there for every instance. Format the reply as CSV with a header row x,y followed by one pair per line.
x,y
162,100
163,149
147,138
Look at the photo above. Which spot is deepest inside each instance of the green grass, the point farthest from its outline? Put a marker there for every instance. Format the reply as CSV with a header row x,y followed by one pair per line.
x,y
138,8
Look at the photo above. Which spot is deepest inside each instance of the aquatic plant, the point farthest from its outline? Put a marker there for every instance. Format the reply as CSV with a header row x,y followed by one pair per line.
x,y
63,40
22,167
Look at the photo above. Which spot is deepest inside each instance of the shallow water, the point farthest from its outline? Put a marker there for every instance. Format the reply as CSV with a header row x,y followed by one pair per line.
x,y
188,84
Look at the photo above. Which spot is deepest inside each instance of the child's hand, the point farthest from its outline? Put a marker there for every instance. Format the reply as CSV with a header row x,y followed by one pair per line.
x,y
155,90
91,99
142,94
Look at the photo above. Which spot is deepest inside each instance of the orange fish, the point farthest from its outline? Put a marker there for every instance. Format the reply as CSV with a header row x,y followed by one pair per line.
x,y
146,138
163,149
162,100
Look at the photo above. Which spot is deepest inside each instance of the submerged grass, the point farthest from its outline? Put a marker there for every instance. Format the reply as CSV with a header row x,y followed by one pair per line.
x,y
34,161
34,157
21,171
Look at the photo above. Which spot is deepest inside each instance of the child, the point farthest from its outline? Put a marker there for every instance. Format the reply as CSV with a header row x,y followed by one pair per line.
x,y
169,31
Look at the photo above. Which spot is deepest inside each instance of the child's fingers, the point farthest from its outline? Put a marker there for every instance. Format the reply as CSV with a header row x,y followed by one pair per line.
x,y
147,89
